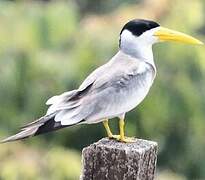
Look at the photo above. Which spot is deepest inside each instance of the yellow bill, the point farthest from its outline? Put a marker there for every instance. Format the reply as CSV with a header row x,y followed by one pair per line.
x,y
165,34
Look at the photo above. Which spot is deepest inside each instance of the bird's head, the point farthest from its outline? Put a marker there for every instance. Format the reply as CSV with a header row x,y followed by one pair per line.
x,y
141,34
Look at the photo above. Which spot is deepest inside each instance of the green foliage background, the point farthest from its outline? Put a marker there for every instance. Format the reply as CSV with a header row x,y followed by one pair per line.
x,y
48,47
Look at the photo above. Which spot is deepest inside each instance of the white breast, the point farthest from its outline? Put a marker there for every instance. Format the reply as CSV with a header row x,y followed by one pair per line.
x,y
139,87
124,98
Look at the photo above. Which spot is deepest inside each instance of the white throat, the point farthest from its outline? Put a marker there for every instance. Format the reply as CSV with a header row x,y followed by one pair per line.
x,y
138,47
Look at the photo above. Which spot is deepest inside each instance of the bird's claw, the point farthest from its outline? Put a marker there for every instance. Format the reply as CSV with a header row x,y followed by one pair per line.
x,y
117,137
123,139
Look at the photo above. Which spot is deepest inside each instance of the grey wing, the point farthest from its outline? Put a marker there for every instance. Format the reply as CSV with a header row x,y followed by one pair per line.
x,y
94,76
67,106
118,92
108,92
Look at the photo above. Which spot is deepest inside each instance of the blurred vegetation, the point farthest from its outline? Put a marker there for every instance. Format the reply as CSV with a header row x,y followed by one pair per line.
x,y
30,163
48,47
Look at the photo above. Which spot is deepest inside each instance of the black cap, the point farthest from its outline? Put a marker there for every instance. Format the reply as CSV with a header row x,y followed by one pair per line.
x,y
139,26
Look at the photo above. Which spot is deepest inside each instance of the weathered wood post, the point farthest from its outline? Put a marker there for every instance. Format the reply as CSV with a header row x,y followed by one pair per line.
x,y
111,160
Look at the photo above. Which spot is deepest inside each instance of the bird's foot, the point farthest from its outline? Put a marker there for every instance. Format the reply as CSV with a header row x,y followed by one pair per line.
x,y
123,139
127,139
117,137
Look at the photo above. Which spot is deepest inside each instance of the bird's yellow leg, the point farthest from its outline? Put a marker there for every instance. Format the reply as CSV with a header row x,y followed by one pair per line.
x,y
107,128
122,137
109,133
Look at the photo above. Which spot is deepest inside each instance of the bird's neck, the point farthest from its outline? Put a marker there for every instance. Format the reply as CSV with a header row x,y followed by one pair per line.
x,y
138,50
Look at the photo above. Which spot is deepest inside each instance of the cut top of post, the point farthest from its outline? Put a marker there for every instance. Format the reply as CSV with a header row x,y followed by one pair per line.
x,y
110,159
139,145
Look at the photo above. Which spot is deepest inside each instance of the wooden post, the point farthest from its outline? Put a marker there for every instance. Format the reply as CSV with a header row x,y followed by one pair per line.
x,y
111,160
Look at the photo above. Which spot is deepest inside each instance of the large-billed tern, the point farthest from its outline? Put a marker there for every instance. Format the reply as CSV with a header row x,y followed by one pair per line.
x,y
114,88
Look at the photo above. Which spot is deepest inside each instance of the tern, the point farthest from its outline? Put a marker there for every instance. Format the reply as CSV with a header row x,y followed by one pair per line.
x,y
111,90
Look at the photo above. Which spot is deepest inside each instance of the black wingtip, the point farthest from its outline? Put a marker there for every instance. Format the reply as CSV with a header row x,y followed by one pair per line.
x,y
40,126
